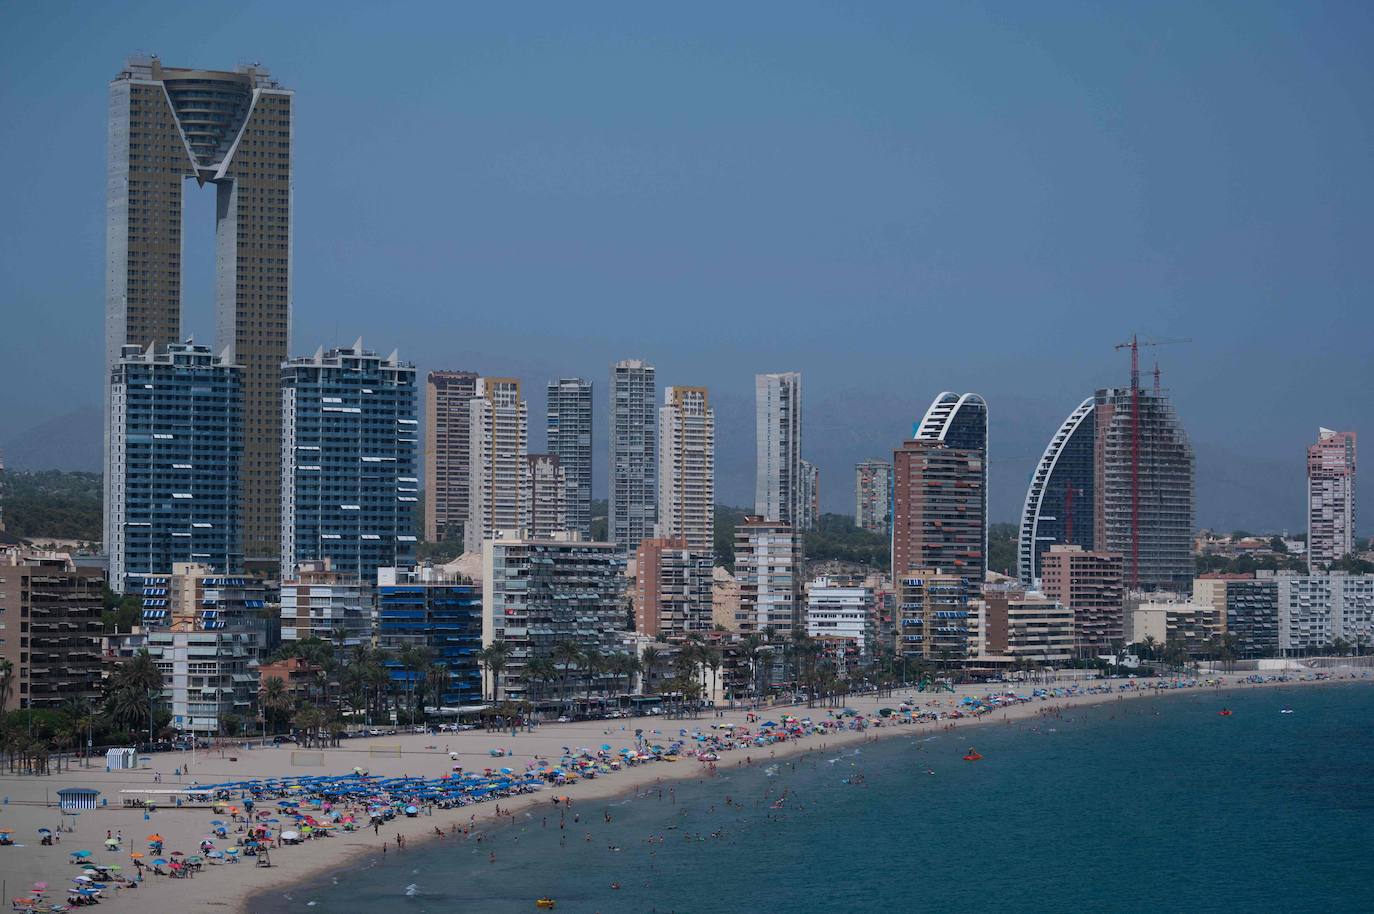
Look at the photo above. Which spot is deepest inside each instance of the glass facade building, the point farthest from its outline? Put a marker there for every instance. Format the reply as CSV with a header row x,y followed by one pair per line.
x,y
422,607
350,483
1059,501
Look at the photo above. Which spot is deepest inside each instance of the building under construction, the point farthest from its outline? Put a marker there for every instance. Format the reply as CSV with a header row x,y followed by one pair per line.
x,y
1116,477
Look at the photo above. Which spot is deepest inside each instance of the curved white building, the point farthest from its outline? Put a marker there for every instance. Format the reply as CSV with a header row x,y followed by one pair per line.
x,y
1059,501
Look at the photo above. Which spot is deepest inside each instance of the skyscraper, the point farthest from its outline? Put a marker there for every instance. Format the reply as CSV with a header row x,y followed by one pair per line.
x,y
545,499
810,495
777,437
1330,498
940,491
498,444
1116,477
448,397
687,467
350,445
768,567
633,453
569,426
171,462
1143,487
232,130
873,496
1060,499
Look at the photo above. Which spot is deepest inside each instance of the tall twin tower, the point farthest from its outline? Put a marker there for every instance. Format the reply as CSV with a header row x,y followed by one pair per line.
x,y
232,131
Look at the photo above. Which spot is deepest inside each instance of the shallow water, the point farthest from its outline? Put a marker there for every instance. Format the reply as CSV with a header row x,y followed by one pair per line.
x,y
1140,805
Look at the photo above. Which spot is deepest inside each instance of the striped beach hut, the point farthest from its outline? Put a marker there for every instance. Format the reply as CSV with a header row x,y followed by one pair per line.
x,y
75,799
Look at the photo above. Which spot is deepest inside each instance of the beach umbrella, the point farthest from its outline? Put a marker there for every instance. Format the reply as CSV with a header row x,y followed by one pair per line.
x,y
216,822
40,886
42,831
135,855
157,838
82,855
81,879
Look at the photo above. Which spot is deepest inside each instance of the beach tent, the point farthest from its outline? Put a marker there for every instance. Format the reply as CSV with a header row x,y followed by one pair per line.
x,y
72,799
116,759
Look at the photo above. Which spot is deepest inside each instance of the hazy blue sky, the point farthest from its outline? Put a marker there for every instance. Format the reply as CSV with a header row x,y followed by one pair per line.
x,y
895,199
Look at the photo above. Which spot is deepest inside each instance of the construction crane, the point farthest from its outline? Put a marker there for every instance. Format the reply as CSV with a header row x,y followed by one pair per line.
x,y
1134,345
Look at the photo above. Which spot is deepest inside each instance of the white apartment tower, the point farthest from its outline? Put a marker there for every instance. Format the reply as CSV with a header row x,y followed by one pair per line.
x,y
633,454
498,445
778,475
687,467
1330,498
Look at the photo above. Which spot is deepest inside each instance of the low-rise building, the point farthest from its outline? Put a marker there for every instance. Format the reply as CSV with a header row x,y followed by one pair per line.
x,y
1012,628
425,607
206,631
322,603
837,609
932,614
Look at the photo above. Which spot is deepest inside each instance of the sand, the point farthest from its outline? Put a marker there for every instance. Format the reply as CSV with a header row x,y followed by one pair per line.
x,y
31,801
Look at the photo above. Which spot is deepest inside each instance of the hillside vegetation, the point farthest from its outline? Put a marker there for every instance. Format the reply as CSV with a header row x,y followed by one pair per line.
x,y
51,503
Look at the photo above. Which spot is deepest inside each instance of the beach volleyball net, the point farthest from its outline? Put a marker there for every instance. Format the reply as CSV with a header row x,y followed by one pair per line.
x,y
307,759
384,751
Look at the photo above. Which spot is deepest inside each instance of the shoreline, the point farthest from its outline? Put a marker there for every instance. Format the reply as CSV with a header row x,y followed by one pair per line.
x,y
430,756
617,787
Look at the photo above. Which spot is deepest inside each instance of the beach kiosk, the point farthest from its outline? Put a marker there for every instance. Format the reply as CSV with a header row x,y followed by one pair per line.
x,y
117,759
77,799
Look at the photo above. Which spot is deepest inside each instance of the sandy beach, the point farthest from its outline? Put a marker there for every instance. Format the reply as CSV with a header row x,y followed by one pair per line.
x,y
30,802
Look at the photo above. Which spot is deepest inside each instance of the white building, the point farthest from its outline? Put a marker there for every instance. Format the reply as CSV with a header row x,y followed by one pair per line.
x,y
687,468
840,610
498,444
322,603
1315,610
768,559
778,470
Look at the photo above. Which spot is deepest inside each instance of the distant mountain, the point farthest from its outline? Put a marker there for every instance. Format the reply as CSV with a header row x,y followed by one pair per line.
x,y
71,442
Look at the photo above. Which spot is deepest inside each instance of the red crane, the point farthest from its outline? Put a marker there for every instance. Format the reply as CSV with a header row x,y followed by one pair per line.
x,y
1134,345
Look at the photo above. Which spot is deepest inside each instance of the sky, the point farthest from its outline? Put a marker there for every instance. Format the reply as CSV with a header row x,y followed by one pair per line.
x,y
893,198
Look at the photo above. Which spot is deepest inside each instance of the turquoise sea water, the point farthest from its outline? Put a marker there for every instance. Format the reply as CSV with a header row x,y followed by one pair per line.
x,y
1143,805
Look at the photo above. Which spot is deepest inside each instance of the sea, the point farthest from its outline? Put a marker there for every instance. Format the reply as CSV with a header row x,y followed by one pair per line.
x,y
1144,804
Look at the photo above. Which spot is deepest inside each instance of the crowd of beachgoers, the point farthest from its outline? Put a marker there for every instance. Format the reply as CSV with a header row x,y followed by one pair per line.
x,y
249,820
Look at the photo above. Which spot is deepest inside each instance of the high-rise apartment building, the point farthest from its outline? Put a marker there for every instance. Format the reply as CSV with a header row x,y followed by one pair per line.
x,y
1117,476
50,629
537,593
873,496
232,130
673,589
1318,610
1090,584
1010,628
448,400
1059,501
777,438
939,491
569,427
1143,487
1330,498
546,496
810,495
425,607
768,570
322,603
350,445
687,467
633,454
1252,617
206,631
172,456
498,441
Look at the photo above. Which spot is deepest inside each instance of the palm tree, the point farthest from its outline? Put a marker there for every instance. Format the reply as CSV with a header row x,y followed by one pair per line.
x,y
438,681
497,654
710,660
753,651
78,721
275,700
539,672
6,682
566,655
648,662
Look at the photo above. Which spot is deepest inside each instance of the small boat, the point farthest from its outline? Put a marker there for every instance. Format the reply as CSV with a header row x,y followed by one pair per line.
x,y
1286,711
545,903
973,756
1225,712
